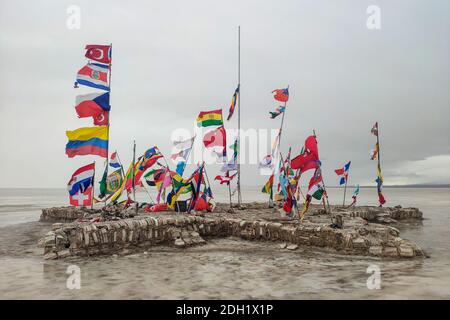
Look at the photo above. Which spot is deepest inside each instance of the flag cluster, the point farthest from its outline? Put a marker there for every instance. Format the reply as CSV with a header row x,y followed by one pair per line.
x,y
91,140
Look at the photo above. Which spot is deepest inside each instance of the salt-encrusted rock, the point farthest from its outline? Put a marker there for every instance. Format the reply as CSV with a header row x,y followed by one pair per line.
x,y
376,251
180,243
406,251
182,230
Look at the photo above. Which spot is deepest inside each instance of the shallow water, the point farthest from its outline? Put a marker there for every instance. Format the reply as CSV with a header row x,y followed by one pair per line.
x,y
225,268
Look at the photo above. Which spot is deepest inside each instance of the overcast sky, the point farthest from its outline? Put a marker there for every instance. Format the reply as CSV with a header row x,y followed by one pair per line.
x,y
172,59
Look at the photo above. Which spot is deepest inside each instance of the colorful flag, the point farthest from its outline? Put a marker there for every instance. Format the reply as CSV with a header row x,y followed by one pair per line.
x,y
114,181
95,105
379,181
216,138
266,162
374,129
82,199
277,112
81,179
375,151
181,148
268,186
180,154
225,179
93,75
308,158
144,162
355,194
315,187
84,141
233,103
114,160
183,144
100,53
281,94
343,173
210,118
305,206
180,167
110,183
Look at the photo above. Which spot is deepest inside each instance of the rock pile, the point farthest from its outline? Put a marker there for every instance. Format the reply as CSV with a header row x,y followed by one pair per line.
x,y
181,230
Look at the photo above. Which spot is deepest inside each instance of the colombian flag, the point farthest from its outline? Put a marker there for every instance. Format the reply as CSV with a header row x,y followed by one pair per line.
x,y
84,141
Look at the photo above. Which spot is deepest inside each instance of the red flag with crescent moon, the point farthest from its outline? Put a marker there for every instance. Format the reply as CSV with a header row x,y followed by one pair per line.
x,y
100,53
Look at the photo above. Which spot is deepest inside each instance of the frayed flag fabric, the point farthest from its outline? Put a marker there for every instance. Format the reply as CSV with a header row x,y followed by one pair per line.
x,y
374,153
355,194
181,148
94,75
281,95
268,186
81,179
233,103
215,138
374,129
266,162
225,179
114,160
315,187
277,112
343,173
99,53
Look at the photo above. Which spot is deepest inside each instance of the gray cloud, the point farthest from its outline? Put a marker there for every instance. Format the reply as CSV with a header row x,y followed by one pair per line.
x,y
172,60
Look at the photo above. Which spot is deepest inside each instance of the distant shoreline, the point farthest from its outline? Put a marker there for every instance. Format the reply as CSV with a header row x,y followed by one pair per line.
x,y
410,186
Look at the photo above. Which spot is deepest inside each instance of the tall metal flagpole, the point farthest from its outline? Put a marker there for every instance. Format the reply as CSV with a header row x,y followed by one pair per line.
x,y
379,159
279,134
282,121
345,190
323,182
239,118
133,170
92,193
109,80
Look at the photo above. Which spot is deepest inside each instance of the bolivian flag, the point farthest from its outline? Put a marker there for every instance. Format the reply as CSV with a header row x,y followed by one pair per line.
x,y
210,118
84,141
268,186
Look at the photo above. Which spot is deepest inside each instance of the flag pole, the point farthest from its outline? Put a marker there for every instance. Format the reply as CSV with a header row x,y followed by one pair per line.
x,y
92,193
379,158
239,118
133,171
107,149
229,192
323,182
282,122
189,153
345,190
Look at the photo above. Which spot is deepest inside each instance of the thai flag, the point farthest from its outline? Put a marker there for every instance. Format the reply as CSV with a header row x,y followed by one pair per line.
x,y
114,161
343,173
81,180
94,75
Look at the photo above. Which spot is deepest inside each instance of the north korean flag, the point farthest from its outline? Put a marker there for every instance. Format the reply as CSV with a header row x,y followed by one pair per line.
x,y
100,53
